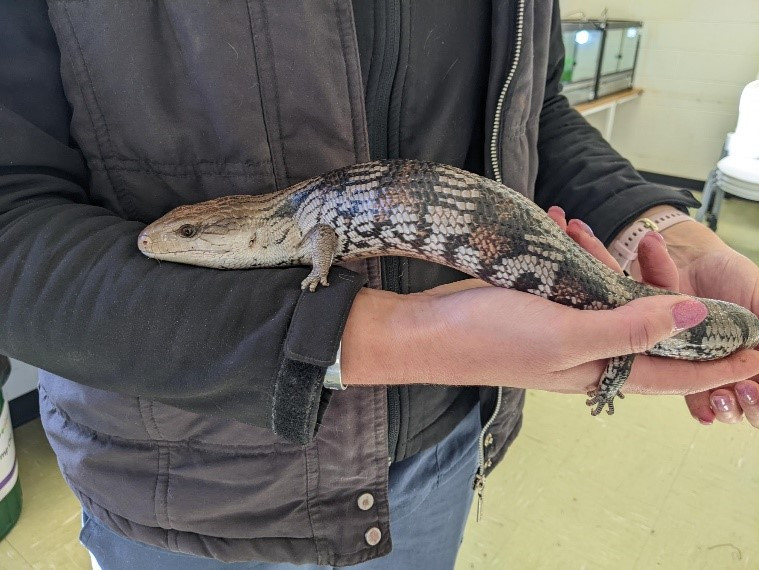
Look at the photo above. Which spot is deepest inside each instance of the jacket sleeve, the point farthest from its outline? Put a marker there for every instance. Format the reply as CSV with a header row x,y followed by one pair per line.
x,y
580,172
78,299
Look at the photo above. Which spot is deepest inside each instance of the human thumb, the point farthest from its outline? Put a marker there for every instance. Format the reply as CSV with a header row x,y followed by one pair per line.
x,y
637,326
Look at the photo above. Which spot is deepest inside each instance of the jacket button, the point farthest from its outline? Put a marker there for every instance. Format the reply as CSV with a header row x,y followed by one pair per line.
x,y
366,501
373,536
488,440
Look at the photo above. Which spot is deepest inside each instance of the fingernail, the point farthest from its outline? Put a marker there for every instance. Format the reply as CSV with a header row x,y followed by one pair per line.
x,y
748,393
704,422
558,209
687,314
720,403
657,236
583,226
586,227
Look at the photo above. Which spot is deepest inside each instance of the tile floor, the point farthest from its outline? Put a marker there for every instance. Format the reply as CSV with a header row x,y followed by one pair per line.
x,y
648,488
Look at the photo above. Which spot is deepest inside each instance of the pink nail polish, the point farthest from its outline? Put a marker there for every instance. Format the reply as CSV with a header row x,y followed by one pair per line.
x,y
687,314
720,403
558,209
748,394
583,226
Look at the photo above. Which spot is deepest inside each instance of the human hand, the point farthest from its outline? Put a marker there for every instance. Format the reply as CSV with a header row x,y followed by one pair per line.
x,y
708,268
473,334
492,336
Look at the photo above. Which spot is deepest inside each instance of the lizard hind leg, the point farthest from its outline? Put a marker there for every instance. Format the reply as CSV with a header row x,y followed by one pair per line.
x,y
614,376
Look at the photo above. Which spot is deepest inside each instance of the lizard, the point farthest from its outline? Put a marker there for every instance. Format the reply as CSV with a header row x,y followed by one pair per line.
x,y
441,214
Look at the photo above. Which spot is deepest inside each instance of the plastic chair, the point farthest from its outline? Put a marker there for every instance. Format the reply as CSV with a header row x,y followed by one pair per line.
x,y
737,173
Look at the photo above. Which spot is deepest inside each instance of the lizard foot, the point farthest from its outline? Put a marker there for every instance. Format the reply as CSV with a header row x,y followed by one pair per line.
x,y
313,281
614,376
600,402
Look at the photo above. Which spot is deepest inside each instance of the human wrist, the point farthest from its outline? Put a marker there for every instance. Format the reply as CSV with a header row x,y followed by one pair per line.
x,y
382,339
624,247
687,242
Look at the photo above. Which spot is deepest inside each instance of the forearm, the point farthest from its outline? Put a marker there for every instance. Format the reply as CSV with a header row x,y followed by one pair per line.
x,y
83,303
78,299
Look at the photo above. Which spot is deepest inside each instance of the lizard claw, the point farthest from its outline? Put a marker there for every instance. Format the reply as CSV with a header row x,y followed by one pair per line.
x,y
614,376
600,402
313,281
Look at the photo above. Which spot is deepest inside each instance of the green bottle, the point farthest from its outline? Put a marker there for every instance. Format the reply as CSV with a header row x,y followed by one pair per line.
x,y
10,485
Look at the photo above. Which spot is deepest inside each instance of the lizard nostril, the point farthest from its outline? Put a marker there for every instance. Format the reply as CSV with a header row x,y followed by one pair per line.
x,y
145,241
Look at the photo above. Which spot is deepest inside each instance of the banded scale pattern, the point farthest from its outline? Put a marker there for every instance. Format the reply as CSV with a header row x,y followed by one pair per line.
x,y
453,217
437,213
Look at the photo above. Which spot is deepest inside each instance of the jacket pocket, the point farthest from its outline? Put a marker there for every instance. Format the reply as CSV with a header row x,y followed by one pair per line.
x,y
163,468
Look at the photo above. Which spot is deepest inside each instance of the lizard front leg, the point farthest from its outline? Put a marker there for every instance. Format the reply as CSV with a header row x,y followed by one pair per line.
x,y
322,241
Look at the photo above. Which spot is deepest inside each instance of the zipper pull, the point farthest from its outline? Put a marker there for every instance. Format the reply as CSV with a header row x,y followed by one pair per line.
x,y
479,487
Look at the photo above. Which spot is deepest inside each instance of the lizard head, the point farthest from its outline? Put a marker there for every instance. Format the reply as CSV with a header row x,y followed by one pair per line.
x,y
232,232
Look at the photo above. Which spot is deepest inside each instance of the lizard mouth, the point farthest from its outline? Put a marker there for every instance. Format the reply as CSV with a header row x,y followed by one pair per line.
x,y
153,249
153,253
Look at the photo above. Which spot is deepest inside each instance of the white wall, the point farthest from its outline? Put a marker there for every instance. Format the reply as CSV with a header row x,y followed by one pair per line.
x,y
695,58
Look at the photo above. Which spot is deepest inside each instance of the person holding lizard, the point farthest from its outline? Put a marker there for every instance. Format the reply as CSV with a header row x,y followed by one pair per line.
x,y
187,406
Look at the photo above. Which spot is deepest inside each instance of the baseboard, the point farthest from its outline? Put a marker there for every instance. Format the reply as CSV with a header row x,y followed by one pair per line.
x,y
25,408
675,181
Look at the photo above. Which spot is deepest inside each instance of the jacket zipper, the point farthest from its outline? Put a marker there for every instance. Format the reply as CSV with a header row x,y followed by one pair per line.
x,y
391,281
502,97
393,421
482,465
378,115
391,266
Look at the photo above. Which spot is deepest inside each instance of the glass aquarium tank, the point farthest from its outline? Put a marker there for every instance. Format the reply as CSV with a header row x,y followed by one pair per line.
x,y
600,57
618,56
582,54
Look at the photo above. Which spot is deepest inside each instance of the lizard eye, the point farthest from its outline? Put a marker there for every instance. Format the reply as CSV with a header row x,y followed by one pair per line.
x,y
187,231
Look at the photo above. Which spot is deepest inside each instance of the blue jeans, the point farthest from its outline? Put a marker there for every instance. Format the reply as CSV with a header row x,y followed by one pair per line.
x,y
430,496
